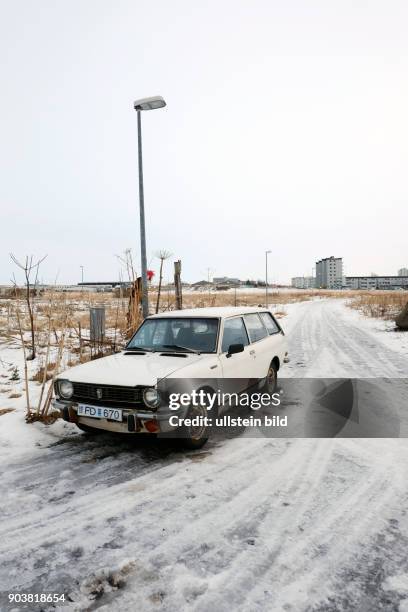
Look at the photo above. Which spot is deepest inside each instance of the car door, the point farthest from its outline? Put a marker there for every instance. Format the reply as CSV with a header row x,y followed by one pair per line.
x,y
240,365
258,336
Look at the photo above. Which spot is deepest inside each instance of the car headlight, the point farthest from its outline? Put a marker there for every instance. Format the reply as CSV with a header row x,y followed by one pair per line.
x,y
66,388
151,397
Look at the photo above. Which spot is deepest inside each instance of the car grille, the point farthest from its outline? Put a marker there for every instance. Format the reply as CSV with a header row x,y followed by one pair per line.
x,y
107,395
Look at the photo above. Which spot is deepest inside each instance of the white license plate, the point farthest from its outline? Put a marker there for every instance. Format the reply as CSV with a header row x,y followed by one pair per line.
x,y
98,412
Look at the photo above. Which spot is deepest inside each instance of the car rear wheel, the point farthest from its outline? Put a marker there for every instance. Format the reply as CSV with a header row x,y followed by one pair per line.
x,y
271,380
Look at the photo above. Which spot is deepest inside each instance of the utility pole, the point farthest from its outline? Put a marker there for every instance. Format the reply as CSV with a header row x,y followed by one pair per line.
x,y
143,105
266,277
209,271
143,258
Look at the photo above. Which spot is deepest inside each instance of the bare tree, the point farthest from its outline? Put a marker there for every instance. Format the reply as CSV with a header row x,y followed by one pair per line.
x,y
134,314
29,267
20,329
162,255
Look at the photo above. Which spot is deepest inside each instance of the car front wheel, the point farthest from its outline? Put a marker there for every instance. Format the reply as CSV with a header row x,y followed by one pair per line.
x,y
195,436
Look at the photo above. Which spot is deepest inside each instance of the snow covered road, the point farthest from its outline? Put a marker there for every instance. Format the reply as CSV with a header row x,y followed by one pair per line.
x,y
327,339
245,524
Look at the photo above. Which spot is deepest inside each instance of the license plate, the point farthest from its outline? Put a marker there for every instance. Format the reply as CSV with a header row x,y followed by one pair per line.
x,y
98,412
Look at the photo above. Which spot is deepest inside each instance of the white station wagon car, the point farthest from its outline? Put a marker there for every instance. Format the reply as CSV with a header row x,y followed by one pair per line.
x,y
122,392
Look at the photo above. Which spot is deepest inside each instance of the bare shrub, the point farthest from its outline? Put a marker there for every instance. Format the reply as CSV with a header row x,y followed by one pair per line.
x,y
28,267
162,255
44,373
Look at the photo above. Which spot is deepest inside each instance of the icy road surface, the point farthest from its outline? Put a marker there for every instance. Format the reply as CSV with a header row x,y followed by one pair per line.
x,y
244,524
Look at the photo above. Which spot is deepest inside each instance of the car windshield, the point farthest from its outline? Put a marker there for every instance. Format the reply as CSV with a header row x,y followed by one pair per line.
x,y
176,334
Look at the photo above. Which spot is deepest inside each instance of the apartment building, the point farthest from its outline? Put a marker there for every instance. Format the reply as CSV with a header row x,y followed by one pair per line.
x,y
329,273
376,282
304,282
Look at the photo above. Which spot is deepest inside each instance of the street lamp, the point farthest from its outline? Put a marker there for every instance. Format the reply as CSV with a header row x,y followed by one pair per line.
x,y
143,105
82,277
266,277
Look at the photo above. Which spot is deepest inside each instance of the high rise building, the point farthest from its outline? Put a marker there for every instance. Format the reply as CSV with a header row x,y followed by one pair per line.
x,y
329,273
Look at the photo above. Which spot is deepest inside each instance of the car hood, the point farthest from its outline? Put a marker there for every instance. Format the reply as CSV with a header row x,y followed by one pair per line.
x,y
129,369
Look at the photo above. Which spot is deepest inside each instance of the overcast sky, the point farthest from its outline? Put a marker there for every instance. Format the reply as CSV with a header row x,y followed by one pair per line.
x,y
286,129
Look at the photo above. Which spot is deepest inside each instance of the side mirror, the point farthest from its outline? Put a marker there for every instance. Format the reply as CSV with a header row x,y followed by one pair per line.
x,y
235,348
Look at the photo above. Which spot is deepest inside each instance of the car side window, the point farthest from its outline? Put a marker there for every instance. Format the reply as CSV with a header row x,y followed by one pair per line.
x,y
269,323
234,333
255,327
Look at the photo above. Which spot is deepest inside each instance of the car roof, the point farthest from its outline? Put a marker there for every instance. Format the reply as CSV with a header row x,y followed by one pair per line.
x,y
220,312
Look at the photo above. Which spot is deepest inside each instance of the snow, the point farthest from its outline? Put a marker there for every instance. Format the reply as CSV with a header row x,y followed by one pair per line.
x,y
244,524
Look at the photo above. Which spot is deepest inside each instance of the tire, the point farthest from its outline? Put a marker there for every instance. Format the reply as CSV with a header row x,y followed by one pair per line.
x,y
195,437
271,379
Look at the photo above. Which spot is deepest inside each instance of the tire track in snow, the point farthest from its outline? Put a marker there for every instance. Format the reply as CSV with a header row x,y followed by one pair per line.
x,y
289,560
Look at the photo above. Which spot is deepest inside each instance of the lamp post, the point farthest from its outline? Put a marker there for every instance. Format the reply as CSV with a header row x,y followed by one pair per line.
x,y
266,277
139,106
82,277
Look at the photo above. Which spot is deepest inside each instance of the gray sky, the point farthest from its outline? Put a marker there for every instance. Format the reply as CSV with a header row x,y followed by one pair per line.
x,y
286,129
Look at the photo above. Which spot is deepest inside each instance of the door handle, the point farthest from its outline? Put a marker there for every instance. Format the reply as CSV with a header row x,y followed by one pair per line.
x,y
252,352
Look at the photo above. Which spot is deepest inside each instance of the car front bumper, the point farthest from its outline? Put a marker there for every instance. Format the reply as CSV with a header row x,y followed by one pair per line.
x,y
135,420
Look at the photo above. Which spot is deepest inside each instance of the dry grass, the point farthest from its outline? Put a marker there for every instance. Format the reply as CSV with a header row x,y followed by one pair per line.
x,y
380,304
6,410
44,372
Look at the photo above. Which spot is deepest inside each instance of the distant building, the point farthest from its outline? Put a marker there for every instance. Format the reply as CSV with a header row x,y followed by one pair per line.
x,y
376,282
403,272
304,282
201,284
104,284
329,273
225,280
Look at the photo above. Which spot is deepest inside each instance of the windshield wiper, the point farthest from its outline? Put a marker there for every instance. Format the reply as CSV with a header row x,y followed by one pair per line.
x,y
139,348
177,347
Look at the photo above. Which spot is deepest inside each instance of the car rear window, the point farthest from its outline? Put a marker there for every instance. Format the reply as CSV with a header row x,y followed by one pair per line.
x,y
269,323
255,327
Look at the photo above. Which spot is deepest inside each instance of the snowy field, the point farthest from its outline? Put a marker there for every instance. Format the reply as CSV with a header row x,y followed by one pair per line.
x,y
244,524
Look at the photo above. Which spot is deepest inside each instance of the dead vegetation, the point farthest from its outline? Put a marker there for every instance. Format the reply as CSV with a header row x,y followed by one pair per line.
x,y
379,304
6,410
